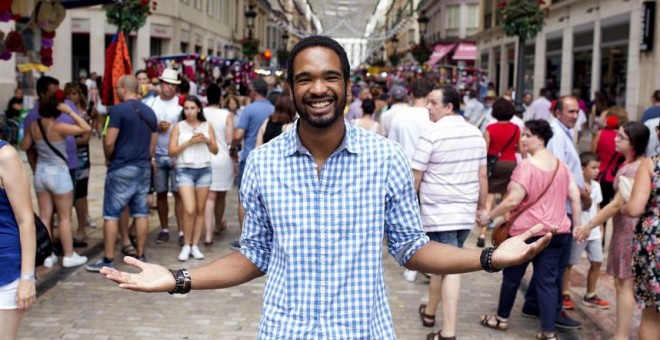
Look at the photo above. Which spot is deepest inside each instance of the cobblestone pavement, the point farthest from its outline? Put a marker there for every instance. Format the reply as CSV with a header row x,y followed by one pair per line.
x,y
76,304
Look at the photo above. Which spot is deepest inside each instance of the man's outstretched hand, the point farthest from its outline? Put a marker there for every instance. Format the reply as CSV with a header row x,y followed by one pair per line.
x,y
152,278
515,251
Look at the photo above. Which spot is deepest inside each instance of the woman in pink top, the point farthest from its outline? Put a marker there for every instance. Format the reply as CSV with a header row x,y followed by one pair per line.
x,y
526,194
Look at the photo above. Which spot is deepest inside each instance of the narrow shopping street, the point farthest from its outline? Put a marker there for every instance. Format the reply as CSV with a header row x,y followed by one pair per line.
x,y
76,304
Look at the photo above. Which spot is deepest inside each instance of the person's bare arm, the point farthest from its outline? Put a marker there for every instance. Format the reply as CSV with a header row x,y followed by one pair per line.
x,y
211,142
641,190
576,203
514,196
238,137
67,129
15,182
260,134
175,148
418,178
229,129
594,142
582,232
440,258
483,187
109,142
227,271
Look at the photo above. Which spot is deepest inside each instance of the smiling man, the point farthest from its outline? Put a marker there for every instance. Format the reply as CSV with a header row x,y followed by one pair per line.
x,y
319,199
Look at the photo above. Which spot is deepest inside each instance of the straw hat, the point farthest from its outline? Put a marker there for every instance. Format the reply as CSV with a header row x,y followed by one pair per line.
x,y
170,76
491,94
48,16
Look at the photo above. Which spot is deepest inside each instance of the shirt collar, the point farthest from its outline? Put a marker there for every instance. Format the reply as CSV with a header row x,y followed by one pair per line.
x,y
293,143
563,127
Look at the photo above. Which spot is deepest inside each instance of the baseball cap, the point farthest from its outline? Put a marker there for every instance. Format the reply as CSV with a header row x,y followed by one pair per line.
x,y
399,93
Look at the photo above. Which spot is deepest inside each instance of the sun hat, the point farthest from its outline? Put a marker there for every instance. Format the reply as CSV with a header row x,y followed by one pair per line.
x,y
170,76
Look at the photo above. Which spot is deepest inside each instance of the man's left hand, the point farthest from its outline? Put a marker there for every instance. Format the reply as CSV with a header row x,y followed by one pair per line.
x,y
515,251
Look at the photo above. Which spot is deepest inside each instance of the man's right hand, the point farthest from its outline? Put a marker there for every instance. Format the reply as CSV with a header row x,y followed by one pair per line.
x,y
163,126
152,278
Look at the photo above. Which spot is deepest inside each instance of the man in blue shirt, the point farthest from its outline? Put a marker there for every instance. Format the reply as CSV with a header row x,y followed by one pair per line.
x,y
653,111
246,131
319,199
128,146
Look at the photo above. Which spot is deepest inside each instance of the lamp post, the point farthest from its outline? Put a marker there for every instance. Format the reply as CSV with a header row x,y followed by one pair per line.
x,y
250,14
423,22
394,57
285,39
250,45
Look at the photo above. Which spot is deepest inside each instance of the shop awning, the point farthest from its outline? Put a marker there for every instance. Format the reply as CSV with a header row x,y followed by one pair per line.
x,y
466,51
439,51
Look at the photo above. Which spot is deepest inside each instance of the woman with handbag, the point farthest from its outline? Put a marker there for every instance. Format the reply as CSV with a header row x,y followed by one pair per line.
x,y
52,181
502,141
17,242
537,194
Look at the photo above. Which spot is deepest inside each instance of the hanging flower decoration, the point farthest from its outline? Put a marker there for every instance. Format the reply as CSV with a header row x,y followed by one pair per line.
x,y
129,15
421,53
521,18
250,47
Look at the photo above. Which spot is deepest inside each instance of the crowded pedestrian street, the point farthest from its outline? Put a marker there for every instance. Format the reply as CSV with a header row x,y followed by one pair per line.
x,y
76,304
330,169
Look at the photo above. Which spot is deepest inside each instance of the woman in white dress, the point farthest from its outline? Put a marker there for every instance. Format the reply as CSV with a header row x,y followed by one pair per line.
x,y
222,167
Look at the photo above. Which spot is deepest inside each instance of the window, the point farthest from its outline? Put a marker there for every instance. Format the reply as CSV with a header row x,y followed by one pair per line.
x,y
198,4
452,16
156,46
219,9
209,7
473,16
184,47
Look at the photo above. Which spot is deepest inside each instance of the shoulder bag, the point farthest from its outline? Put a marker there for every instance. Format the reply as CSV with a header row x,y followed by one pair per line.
x,y
501,231
57,152
491,160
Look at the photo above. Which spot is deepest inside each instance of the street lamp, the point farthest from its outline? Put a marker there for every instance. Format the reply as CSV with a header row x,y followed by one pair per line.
x,y
250,14
285,39
423,22
395,42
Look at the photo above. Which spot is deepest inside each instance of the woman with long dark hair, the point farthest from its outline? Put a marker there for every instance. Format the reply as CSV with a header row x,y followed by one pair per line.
x,y
280,121
192,142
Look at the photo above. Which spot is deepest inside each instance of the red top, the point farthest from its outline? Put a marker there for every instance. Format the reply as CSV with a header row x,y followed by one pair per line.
x,y
500,134
606,151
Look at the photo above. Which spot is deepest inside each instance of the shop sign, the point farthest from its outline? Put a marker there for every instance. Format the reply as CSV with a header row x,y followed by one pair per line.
x,y
161,31
648,26
80,25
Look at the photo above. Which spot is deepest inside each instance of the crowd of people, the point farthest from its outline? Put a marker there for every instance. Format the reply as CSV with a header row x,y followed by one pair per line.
x,y
416,163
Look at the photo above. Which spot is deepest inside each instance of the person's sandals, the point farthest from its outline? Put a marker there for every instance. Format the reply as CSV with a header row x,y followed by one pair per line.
x,y
500,325
423,316
438,336
481,241
542,336
129,250
220,228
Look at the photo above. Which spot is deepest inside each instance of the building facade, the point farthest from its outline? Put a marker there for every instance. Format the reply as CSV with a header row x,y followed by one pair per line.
x,y
585,45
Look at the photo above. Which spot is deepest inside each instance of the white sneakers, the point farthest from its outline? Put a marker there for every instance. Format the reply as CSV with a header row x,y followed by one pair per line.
x,y
410,275
50,261
196,253
187,250
74,260
185,253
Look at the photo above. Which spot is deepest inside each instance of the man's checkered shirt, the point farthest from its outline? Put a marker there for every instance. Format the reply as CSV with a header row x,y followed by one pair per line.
x,y
320,239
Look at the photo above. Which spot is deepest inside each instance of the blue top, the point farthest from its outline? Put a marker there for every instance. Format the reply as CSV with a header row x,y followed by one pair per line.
x,y
71,148
650,113
251,119
320,238
10,240
132,144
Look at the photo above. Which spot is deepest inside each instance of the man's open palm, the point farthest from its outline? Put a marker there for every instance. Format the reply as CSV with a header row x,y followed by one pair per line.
x,y
515,251
152,278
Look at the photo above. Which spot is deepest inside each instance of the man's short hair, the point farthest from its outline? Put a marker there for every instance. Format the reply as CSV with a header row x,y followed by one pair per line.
x,y
319,41
43,83
656,95
213,94
137,73
588,157
260,86
420,88
559,105
129,83
543,92
450,96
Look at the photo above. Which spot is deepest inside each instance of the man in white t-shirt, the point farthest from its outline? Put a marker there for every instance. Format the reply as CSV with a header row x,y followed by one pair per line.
x,y
411,122
399,96
449,167
541,106
168,111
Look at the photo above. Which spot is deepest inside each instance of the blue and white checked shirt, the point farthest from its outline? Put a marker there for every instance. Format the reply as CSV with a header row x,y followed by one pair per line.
x,y
320,239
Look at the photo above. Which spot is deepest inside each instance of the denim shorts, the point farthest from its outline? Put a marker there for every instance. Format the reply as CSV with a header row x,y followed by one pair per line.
x,y
128,185
164,174
454,238
193,177
52,178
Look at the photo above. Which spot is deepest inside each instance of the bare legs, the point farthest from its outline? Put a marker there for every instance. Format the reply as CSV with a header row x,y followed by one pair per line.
x,y
445,289
10,319
194,206
63,204
649,328
214,213
625,303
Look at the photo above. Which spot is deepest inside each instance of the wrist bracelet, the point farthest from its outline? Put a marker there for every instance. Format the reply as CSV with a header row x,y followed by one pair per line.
x,y
182,280
487,260
31,277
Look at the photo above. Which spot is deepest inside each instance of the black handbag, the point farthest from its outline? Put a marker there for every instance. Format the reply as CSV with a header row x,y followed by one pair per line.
x,y
491,160
44,245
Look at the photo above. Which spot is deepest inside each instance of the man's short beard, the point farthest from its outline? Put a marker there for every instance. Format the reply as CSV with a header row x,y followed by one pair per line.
x,y
321,123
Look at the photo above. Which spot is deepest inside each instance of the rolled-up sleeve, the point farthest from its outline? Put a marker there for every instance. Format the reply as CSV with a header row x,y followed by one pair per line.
x,y
403,225
257,236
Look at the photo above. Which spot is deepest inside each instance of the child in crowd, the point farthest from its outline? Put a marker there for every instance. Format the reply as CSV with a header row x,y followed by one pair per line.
x,y
590,164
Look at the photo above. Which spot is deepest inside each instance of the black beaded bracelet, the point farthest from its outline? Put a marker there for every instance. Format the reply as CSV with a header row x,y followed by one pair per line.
x,y
182,280
487,260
